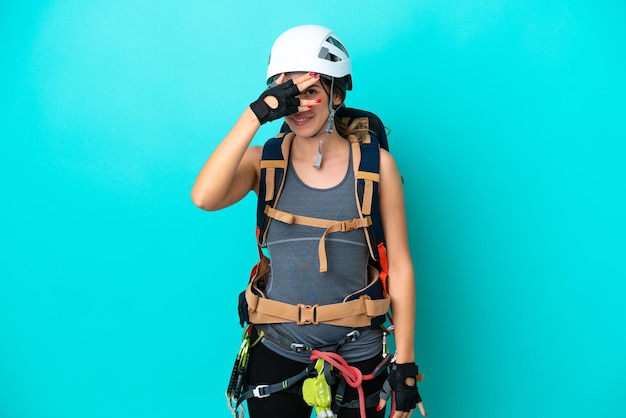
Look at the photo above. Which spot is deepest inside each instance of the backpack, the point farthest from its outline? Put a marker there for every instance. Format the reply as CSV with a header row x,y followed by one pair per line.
x,y
367,307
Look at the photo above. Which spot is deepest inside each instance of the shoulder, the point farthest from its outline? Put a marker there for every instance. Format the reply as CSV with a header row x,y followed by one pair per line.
x,y
387,162
390,178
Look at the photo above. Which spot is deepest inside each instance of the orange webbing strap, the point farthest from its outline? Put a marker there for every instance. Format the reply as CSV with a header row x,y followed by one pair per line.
x,y
368,192
365,207
384,265
270,175
257,233
270,167
329,225
354,313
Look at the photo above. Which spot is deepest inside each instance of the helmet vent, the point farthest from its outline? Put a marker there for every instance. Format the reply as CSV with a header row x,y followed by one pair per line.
x,y
326,55
338,44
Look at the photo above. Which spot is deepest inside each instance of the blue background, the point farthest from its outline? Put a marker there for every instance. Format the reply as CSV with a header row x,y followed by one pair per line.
x,y
117,295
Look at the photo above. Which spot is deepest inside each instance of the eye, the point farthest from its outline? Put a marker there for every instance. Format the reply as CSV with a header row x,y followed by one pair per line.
x,y
310,92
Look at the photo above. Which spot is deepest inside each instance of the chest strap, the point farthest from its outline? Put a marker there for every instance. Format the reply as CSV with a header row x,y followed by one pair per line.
x,y
328,225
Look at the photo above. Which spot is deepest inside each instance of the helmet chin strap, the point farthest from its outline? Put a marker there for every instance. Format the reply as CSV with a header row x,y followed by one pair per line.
x,y
318,159
329,127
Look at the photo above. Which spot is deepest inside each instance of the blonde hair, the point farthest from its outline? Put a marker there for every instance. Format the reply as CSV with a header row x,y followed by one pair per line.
x,y
356,128
345,128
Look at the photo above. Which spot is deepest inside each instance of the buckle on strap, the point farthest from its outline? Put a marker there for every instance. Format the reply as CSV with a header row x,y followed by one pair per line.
x,y
307,314
353,335
297,347
259,391
352,224
349,225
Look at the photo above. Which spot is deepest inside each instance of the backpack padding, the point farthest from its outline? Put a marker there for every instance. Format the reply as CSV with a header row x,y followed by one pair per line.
x,y
370,163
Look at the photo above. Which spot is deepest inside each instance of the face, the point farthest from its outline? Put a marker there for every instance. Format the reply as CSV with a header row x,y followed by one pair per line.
x,y
314,120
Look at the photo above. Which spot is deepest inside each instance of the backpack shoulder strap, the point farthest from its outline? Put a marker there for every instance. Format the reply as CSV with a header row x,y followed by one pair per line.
x,y
366,163
272,177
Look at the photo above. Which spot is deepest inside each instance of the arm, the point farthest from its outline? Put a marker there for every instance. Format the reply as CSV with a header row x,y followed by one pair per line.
x,y
232,170
401,285
401,281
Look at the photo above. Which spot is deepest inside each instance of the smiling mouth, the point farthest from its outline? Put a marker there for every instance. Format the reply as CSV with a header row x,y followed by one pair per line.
x,y
300,120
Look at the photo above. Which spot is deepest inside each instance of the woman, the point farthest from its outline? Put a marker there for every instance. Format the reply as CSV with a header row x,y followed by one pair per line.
x,y
309,72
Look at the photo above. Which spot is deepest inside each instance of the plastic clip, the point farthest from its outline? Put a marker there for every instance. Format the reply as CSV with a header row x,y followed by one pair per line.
x,y
353,335
257,391
298,348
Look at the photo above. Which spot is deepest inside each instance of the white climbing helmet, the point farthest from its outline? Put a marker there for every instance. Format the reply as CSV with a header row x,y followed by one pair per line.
x,y
310,48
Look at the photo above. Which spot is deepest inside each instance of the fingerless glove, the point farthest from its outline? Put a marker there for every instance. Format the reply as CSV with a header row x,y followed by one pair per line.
x,y
407,397
288,103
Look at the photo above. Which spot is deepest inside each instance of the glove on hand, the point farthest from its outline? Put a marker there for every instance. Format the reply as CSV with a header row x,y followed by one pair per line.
x,y
407,397
288,103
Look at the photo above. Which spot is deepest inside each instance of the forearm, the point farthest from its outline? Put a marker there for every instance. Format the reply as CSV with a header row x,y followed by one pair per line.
x,y
402,293
217,177
401,281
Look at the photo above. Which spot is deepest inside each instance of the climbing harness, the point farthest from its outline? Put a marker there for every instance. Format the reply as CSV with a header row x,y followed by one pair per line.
x,y
277,338
326,369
